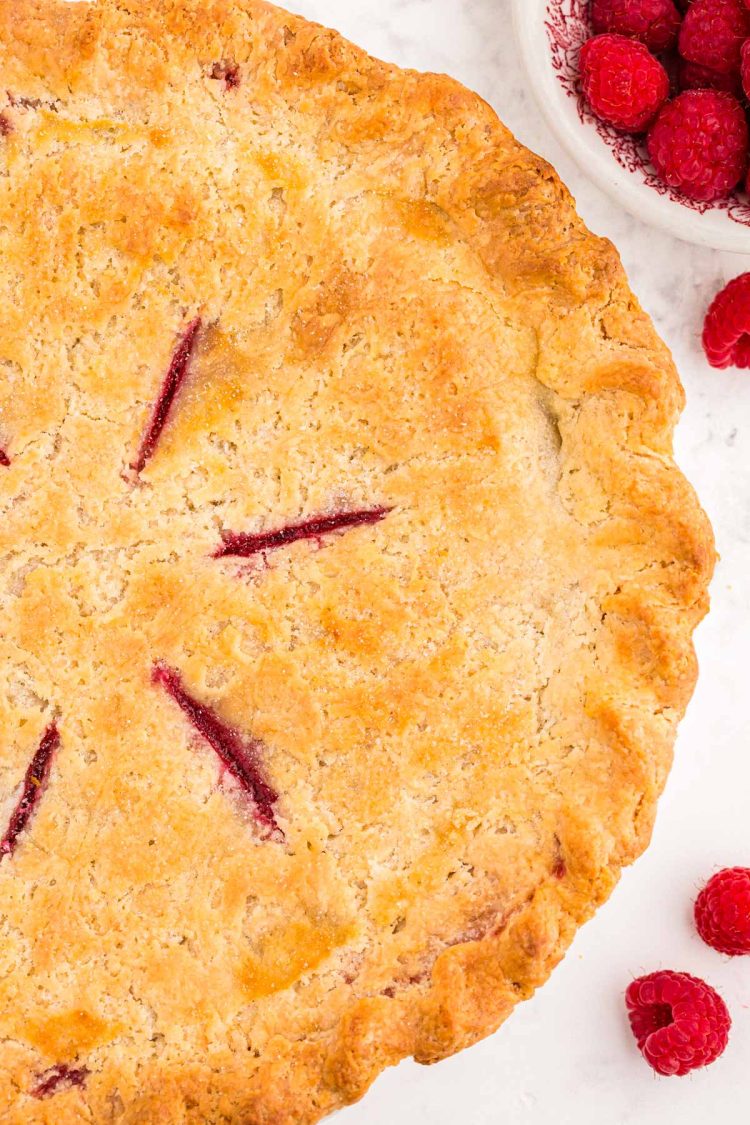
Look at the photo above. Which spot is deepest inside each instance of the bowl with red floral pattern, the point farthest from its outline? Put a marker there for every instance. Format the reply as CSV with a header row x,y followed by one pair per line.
x,y
551,34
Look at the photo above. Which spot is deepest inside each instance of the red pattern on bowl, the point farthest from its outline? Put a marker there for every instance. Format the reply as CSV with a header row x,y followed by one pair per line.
x,y
568,28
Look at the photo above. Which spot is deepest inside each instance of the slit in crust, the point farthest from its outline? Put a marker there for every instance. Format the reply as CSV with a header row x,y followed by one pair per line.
x,y
242,545
34,784
170,388
238,755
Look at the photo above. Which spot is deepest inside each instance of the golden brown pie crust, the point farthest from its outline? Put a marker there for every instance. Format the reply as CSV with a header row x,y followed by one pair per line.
x,y
466,708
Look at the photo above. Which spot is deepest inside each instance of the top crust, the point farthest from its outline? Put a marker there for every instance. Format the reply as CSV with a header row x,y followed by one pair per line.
x,y
467,708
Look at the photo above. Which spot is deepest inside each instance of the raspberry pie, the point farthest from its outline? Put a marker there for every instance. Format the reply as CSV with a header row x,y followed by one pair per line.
x,y
347,579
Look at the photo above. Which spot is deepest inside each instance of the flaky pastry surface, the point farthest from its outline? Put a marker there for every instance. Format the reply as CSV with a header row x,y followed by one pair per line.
x,y
419,396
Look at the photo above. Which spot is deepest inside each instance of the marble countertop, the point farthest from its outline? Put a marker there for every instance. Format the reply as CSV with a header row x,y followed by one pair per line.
x,y
567,1057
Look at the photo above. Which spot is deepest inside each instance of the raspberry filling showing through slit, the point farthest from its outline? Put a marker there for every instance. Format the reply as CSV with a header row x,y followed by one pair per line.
x,y
34,784
228,73
238,755
178,369
242,545
51,1081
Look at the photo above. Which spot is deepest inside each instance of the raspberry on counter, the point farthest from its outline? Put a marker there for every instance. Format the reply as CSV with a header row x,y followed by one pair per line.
x,y
680,1023
726,335
722,909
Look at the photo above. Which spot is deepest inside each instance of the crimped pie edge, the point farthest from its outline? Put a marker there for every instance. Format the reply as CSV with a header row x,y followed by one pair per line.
x,y
570,286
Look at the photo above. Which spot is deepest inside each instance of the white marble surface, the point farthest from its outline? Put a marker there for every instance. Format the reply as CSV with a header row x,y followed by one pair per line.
x,y
567,1057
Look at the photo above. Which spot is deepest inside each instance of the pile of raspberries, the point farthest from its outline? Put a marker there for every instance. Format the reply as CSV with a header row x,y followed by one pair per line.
x,y
678,71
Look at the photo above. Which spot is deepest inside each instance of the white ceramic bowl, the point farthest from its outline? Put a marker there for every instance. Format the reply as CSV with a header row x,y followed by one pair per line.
x,y
550,34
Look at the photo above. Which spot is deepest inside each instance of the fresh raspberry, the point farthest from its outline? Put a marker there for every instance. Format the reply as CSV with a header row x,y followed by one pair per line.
x,y
713,32
726,335
654,22
622,81
679,1022
745,67
722,909
693,76
699,144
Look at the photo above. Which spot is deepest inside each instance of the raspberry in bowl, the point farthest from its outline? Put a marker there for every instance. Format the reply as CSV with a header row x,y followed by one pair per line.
x,y
655,163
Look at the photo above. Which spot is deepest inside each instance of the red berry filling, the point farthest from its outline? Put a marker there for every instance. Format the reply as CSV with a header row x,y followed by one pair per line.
x,y
240,545
4,458
34,784
175,376
5,126
238,755
58,1076
228,73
